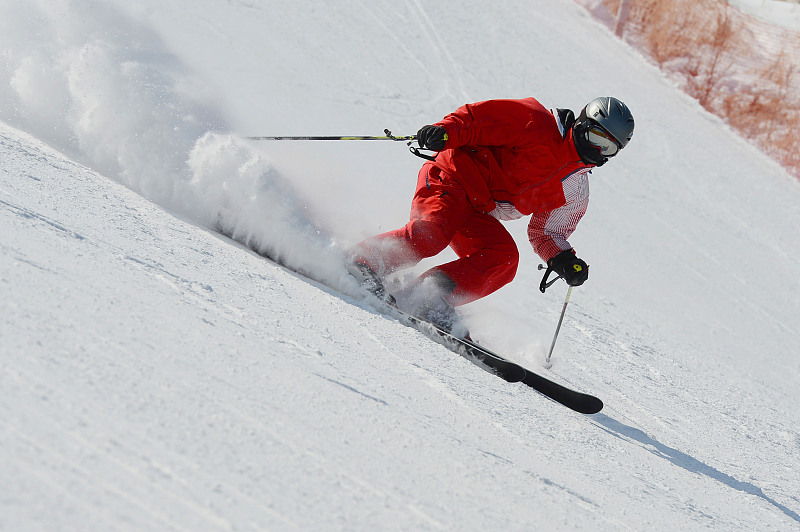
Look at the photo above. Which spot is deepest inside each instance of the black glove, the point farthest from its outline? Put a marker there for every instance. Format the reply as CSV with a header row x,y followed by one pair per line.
x,y
432,138
574,270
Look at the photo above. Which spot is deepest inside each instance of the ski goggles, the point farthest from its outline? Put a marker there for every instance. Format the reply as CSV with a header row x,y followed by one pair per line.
x,y
602,139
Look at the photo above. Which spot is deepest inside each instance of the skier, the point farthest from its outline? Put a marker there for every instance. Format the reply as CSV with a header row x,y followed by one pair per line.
x,y
498,160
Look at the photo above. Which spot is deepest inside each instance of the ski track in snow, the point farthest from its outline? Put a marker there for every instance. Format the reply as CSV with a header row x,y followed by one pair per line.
x,y
157,375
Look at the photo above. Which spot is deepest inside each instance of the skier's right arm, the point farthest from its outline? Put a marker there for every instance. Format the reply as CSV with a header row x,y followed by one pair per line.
x,y
495,123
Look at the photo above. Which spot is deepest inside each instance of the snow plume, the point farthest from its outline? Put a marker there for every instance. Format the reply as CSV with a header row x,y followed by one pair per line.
x,y
98,86
102,88
239,192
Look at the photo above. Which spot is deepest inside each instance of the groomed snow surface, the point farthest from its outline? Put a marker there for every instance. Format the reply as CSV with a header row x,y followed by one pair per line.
x,y
785,13
155,375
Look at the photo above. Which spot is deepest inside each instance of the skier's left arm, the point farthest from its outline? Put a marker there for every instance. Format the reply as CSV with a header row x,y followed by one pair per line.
x,y
548,232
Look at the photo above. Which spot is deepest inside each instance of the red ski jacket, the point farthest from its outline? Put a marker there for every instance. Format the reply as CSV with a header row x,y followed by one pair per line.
x,y
509,151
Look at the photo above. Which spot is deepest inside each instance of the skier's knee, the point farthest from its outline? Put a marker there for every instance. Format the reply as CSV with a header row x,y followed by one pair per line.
x,y
427,238
507,265
510,268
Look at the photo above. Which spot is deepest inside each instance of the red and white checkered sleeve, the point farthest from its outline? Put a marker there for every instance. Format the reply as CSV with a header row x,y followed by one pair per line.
x,y
549,231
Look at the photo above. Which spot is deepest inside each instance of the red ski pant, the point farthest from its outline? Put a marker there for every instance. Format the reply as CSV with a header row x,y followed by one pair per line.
x,y
442,215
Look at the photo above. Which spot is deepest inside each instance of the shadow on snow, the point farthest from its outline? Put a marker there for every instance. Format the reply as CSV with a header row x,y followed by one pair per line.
x,y
628,433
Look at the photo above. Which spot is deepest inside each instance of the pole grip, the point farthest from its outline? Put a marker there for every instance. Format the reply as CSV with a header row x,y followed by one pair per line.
x,y
545,284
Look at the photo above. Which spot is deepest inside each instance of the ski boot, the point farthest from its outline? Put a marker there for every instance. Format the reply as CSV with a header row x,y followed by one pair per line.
x,y
370,281
427,300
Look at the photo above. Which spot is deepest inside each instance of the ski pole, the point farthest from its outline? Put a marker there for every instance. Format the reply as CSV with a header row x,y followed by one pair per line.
x,y
547,363
409,139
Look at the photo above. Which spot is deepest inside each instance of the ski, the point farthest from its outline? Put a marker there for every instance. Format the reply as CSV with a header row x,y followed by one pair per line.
x,y
505,369
477,354
484,358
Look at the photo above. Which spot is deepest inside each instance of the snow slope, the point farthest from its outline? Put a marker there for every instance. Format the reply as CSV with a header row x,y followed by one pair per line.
x,y
778,12
158,376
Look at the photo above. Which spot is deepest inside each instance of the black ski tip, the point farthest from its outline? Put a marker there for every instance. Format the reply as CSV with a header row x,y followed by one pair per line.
x,y
589,404
577,401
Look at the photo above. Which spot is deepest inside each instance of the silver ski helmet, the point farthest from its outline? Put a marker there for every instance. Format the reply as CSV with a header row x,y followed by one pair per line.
x,y
604,127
